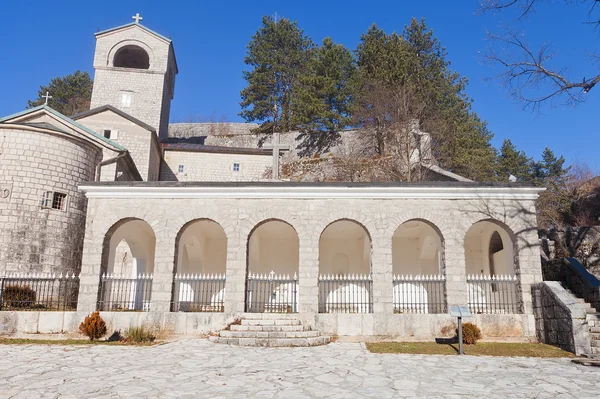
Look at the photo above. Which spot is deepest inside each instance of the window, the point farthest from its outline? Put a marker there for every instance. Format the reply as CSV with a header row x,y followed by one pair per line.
x,y
107,134
180,169
236,167
126,97
54,200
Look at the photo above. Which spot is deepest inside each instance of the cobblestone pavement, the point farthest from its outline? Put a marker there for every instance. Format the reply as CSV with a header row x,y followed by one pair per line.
x,y
199,369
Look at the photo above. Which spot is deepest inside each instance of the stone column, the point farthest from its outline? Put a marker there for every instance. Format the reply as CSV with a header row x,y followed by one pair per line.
x,y
235,283
456,275
381,258
89,280
308,274
164,262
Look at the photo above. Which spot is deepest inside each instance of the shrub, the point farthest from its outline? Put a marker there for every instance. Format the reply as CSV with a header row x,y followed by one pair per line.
x,y
93,326
139,335
18,296
470,333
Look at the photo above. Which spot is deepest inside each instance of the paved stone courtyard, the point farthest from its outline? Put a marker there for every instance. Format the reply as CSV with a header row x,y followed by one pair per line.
x,y
198,368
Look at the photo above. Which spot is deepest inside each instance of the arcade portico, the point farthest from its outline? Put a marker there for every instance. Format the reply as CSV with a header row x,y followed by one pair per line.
x,y
350,259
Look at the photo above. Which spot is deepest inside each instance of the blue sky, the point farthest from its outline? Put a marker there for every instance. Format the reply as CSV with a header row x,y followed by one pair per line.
x,y
42,40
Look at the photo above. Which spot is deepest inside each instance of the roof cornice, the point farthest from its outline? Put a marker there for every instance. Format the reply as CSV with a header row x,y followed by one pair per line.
x,y
267,190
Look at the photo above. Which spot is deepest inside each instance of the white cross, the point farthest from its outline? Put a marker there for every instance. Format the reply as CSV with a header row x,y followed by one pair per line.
x,y
47,97
137,17
277,147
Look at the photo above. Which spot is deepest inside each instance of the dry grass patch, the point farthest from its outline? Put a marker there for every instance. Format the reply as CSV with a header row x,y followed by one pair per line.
x,y
481,349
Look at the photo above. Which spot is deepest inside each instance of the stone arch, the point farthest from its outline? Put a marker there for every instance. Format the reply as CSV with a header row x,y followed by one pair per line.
x,y
272,266
132,57
418,248
201,247
343,231
126,285
130,44
345,252
477,247
200,259
263,256
497,294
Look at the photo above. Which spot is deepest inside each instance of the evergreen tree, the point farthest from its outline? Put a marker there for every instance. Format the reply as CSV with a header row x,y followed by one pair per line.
x,y
511,161
322,102
71,94
278,55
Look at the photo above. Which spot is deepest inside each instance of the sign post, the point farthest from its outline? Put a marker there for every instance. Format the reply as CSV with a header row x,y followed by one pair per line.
x,y
459,311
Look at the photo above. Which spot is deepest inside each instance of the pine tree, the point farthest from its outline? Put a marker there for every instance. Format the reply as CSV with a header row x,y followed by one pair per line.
x,y
278,55
511,161
322,102
71,94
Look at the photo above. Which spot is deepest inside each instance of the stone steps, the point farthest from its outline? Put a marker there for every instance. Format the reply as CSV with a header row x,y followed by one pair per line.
x,y
593,319
270,331
272,342
267,334
270,322
239,327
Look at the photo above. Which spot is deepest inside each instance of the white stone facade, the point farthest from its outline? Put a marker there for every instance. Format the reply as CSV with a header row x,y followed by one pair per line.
x,y
151,89
207,166
141,143
309,209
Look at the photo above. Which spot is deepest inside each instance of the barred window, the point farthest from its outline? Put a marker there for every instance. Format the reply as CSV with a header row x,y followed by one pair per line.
x,y
54,200
236,167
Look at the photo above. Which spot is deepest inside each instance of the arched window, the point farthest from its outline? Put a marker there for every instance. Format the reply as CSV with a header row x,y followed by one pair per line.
x,y
133,57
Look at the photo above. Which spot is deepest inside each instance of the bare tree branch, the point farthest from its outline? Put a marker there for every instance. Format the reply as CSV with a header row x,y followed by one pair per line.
x,y
528,75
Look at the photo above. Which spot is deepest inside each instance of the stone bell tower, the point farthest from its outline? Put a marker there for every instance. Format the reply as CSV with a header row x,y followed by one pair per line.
x,y
135,72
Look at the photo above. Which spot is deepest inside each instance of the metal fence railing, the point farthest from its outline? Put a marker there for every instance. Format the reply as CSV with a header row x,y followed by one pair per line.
x,y
419,294
493,294
345,294
118,293
271,293
45,292
198,293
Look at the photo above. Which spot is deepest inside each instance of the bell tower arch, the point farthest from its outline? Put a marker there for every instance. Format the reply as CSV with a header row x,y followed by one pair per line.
x,y
135,71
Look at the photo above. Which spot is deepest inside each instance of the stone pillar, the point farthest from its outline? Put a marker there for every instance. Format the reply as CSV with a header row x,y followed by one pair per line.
x,y
308,274
381,266
456,275
529,269
164,262
235,283
89,278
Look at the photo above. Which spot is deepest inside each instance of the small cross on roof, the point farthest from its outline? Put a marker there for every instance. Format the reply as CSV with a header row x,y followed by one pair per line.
x,y
47,97
137,17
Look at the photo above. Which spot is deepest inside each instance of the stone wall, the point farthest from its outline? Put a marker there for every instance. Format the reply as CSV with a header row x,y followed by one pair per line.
x,y
350,143
309,217
581,243
141,143
206,166
147,85
560,319
32,162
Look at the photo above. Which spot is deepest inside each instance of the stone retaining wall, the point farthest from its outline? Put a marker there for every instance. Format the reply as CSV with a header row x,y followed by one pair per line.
x,y
560,319
404,326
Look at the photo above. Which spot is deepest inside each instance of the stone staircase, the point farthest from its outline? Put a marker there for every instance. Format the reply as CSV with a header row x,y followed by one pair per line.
x,y
593,319
270,330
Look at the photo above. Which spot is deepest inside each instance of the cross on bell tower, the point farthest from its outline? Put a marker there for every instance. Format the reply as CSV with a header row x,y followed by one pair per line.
x,y
137,17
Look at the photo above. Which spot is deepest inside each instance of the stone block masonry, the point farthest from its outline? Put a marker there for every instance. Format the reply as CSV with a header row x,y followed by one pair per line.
x,y
32,237
560,319
166,208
